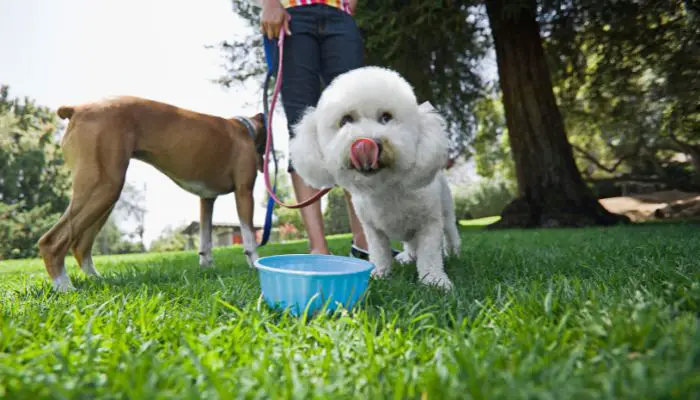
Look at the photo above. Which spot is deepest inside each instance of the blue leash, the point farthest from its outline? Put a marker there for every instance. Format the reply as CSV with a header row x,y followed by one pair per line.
x,y
269,47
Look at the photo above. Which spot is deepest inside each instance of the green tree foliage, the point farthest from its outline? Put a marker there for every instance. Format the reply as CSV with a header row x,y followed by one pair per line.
x,y
32,171
171,239
111,240
33,180
491,147
290,224
486,198
20,229
628,78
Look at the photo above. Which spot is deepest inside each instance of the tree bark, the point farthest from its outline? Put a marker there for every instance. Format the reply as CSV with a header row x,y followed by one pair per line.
x,y
552,192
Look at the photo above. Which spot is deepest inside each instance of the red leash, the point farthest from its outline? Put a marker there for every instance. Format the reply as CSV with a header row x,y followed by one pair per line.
x,y
266,174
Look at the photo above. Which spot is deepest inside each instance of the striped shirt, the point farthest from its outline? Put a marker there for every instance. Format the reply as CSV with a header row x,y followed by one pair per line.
x,y
341,4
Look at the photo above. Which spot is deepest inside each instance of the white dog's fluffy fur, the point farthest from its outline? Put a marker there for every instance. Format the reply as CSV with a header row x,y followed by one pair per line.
x,y
408,199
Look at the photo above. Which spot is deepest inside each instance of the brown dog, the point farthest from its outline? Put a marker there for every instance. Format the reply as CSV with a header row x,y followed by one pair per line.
x,y
206,155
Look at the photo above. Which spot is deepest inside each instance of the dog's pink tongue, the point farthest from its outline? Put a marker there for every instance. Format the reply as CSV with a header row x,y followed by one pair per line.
x,y
364,154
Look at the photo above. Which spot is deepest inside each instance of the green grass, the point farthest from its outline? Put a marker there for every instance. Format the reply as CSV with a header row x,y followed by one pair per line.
x,y
559,314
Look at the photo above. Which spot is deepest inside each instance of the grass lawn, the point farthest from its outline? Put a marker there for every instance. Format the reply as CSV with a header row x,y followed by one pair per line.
x,y
559,314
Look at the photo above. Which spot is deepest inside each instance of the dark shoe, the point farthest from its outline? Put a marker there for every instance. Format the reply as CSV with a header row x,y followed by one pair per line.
x,y
357,252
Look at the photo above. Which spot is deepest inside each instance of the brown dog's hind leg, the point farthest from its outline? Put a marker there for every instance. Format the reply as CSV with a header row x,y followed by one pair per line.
x,y
51,246
82,248
84,209
99,169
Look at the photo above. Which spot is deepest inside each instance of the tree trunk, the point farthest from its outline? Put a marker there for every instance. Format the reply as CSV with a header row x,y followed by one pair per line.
x,y
552,192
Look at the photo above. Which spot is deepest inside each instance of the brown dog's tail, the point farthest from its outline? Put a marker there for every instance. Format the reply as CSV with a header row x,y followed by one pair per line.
x,y
65,112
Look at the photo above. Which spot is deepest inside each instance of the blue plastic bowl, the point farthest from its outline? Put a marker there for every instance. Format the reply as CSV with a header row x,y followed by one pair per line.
x,y
296,281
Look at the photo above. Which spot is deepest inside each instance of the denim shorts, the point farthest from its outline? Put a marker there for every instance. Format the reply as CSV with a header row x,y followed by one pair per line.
x,y
325,43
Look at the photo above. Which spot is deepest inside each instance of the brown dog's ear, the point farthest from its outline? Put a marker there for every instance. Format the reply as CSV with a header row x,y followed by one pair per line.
x,y
259,117
260,132
259,120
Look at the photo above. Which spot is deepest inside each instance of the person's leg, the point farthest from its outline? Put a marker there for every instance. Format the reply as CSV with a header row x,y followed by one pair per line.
x,y
311,215
301,89
358,234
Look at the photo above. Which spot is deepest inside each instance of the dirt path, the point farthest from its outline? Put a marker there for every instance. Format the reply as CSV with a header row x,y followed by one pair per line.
x,y
671,204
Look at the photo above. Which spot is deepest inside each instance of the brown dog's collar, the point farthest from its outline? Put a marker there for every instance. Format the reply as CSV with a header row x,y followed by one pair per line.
x,y
259,148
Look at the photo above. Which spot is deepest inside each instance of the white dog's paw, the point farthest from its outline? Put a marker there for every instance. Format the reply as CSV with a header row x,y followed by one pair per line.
x,y
438,279
457,247
404,258
453,251
379,273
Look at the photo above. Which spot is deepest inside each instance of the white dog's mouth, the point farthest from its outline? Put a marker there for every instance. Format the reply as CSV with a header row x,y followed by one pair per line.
x,y
367,156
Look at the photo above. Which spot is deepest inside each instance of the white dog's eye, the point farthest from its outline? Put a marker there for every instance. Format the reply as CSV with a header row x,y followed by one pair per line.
x,y
385,118
347,119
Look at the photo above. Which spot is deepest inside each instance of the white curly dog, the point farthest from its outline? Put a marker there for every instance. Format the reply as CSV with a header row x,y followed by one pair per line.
x,y
369,136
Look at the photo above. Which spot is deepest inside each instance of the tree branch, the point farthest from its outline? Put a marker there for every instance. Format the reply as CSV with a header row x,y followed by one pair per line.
x,y
684,146
600,165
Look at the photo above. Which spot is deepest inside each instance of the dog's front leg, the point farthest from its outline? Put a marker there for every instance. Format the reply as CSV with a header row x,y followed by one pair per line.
x,y
408,255
429,256
379,248
206,211
244,205
452,240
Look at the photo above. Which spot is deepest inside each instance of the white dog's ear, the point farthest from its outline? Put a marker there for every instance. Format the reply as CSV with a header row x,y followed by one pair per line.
x,y
305,152
426,106
433,145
